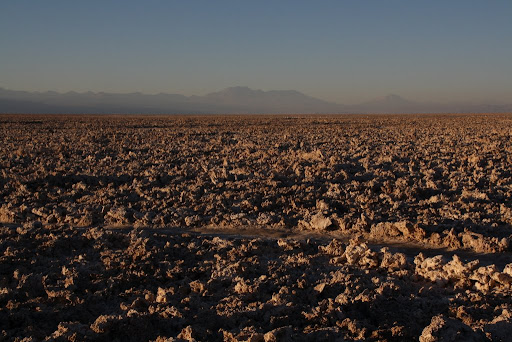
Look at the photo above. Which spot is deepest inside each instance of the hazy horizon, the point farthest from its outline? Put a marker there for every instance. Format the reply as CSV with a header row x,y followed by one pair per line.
x,y
377,98
348,53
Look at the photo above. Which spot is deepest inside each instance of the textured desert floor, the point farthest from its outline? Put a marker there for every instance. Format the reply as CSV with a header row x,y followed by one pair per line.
x,y
256,228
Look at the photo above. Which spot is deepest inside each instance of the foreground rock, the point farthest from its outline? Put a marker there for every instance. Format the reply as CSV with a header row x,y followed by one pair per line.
x,y
132,284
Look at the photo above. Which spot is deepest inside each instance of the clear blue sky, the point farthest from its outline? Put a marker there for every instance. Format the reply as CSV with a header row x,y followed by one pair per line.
x,y
343,51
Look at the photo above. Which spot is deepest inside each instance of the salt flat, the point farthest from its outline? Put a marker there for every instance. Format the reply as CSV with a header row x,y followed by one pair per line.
x,y
350,227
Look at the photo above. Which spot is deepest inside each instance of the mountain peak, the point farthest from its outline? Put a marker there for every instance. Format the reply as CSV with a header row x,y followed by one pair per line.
x,y
393,97
238,88
237,91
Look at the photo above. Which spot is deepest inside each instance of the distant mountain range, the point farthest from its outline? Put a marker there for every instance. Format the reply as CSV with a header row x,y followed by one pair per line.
x,y
234,100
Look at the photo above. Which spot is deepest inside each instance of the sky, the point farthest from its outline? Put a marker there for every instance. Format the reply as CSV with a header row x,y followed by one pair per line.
x,y
341,51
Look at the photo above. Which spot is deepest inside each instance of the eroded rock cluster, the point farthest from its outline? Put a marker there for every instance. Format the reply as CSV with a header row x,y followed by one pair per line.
x,y
442,180
104,221
160,285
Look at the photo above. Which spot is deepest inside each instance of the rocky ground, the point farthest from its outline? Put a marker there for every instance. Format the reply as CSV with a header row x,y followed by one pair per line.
x,y
259,228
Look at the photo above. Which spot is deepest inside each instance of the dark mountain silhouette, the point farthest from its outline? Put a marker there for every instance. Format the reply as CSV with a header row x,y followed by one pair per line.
x,y
395,104
231,100
241,100
246,100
